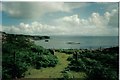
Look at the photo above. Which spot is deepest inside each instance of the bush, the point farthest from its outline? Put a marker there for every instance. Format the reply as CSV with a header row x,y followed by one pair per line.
x,y
18,57
77,65
101,73
69,58
97,64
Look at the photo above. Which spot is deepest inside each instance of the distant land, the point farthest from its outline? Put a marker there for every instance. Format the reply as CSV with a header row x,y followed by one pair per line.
x,y
33,37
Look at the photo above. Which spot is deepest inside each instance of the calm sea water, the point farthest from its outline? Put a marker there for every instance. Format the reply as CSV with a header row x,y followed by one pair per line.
x,y
60,42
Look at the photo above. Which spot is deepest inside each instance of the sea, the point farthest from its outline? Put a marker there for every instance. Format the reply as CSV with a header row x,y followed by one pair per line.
x,y
79,42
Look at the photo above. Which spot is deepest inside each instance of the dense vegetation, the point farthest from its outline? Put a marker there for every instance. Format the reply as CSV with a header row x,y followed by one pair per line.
x,y
19,53
97,64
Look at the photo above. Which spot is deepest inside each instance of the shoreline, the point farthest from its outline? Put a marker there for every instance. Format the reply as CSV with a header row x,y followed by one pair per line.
x,y
97,48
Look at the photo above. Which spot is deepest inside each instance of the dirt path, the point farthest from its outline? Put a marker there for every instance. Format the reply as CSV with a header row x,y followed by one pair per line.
x,y
51,72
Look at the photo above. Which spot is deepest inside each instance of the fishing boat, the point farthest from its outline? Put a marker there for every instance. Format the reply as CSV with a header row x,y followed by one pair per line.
x,y
73,43
46,40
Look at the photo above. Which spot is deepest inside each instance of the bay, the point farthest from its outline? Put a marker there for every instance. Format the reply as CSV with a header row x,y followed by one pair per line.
x,y
86,42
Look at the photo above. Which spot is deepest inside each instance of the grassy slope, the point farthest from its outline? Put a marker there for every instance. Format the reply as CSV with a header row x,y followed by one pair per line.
x,y
54,72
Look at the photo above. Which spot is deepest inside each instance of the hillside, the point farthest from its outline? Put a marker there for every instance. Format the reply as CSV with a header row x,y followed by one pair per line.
x,y
19,53
33,37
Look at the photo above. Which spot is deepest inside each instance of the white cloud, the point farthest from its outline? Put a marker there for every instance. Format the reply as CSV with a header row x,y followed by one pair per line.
x,y
94,25
113,21
70,20
34,28
94,20
37,9
107,15
97,20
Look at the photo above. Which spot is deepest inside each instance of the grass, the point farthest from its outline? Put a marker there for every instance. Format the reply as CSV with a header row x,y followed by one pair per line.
x,y
54,72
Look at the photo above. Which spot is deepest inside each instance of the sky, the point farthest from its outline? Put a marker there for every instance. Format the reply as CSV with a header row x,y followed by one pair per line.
x,y
60,18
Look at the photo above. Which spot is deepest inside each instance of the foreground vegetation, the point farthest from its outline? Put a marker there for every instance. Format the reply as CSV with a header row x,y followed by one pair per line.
x,y
19,53
100,64
57,71
22,58
83,64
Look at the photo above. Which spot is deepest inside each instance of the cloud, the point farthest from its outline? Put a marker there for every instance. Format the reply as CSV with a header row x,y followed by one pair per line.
x,y
35,28
97,20
37,9
94,20
114,21
94,25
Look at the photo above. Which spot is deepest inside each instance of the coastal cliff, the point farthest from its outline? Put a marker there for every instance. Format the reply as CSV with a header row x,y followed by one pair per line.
x,y
33,37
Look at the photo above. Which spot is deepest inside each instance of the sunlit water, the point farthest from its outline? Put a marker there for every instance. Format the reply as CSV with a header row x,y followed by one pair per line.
x,y
60,42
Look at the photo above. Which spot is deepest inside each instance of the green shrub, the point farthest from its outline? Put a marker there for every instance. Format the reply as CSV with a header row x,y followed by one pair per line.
x,y
69,58
97,64
19,53
101,73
